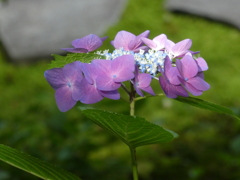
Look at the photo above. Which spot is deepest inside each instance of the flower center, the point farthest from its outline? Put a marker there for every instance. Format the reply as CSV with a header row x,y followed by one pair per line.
x,y
148,62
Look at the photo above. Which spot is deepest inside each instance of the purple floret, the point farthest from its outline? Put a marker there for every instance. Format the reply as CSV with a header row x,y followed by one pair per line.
x,y
179,49
190,77
89,87
158,43
142,81
110,73
66,83
129,41
169,81
86,44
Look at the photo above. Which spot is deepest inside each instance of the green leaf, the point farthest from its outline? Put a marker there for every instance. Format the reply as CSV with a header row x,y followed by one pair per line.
x,y
61,61
134,131
33,165
206,105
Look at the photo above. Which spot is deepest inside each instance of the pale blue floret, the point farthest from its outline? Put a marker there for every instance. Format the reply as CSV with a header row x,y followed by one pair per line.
x,y
148,62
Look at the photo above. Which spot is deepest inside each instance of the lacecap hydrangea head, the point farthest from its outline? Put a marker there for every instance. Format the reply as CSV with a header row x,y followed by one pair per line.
x,y
136,59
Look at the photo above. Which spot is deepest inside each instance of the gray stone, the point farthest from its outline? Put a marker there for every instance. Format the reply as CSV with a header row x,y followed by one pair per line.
x,y
38,28
227,11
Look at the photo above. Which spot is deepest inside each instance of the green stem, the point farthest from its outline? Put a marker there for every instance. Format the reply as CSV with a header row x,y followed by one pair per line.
x,y
133,150
134,163
148,96
132,108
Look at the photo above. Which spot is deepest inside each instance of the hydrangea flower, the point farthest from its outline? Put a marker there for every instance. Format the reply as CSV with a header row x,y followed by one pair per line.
x,y
129,41
136,59
190,77
86,44
89,87
158,43
178,49
169,81
110,74
142,81
66,83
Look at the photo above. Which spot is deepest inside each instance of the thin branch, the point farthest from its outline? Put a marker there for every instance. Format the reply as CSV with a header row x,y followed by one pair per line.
x,y
124,87
148,96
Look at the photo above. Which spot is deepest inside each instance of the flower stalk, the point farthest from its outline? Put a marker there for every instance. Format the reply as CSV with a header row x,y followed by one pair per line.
x,y
132,149
134,163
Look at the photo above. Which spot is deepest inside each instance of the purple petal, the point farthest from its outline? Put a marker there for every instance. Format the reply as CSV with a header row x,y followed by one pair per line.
x,y
138,91
187,66
122,68
101,65
105,75
78,43
150,43
170,72
112,43
110,94
201,75
73,71
148,90
137,42
144,80
168,45
64,99
144,34
75,50
190,88
181,47
167,88
88,71
104,38
167,63
180,91
160,41
199,83
55,78
202,64
122,76
171,90
122,39
91,93
106,83
172,75
90,43
77,92
74,76
132,45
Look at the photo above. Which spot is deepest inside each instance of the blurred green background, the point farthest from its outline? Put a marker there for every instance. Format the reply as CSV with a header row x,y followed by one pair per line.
x,y
208,146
